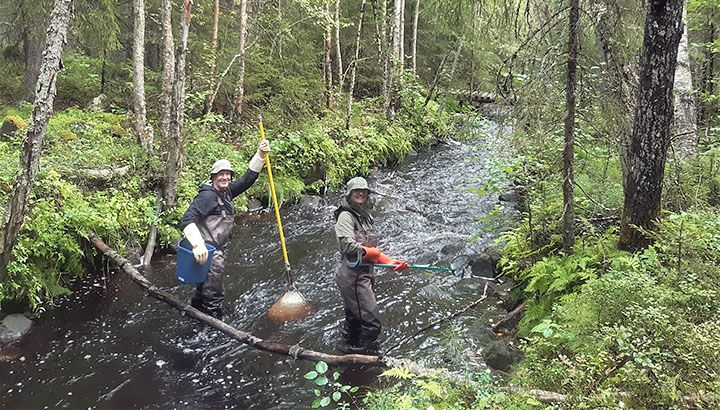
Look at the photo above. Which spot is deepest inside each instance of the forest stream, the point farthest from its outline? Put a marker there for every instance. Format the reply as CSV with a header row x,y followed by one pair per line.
x,y
108,345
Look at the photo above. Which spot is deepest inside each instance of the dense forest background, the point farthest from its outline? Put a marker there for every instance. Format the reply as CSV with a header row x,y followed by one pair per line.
x,y
614,107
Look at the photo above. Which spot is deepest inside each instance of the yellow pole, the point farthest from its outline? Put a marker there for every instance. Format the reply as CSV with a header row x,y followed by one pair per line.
x,y
274,198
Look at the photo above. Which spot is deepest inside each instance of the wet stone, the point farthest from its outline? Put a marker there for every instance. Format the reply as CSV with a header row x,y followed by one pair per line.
x,y
483,264
7,130
13,327
311,201
500,355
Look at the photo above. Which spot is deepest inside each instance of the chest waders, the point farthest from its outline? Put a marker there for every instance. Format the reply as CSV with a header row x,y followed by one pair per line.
x,y
215,229
362,319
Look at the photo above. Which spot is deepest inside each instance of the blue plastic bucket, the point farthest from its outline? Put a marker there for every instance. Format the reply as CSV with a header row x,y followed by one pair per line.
x,y
188,271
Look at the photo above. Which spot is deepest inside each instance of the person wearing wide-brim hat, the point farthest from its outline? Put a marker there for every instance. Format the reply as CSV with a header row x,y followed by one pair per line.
x,y
210,219
357,241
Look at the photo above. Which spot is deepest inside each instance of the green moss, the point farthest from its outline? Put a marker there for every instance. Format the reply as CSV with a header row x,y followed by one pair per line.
x,y
18,122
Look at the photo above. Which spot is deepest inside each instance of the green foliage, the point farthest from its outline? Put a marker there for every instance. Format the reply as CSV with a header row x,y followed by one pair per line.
x,y
328,388
645,326
11,78
79,81
412,391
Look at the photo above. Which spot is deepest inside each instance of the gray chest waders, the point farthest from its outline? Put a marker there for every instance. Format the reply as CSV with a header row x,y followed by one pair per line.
x,y
362,319
215,229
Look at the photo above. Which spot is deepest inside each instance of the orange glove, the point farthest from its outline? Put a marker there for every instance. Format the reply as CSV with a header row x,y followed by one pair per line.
x,y
375,255
371,254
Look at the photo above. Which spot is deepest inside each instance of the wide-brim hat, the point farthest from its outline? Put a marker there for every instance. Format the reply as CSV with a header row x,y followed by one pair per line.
x,y
357,183
221,165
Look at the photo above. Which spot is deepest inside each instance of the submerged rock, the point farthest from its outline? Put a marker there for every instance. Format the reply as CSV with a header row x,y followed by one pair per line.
x,y
434,292
311,201
14,327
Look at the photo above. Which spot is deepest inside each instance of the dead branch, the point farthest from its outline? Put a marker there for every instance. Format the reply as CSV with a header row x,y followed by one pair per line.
x,y
439,321
509,317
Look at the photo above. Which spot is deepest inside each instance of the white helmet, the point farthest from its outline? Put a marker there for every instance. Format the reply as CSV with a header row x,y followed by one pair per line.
x,y
221,165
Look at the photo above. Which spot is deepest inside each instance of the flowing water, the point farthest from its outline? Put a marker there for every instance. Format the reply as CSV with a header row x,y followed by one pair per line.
x,y
108,345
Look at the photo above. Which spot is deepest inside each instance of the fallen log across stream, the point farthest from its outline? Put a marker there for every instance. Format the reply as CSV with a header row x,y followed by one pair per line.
x,y
295,351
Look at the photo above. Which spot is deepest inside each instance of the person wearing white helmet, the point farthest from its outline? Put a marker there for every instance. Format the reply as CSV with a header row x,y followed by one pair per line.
x,y
357,242
210,219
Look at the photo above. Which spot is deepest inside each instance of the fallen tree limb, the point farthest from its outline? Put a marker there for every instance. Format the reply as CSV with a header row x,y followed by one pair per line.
x,y
295,351
509,317
152,236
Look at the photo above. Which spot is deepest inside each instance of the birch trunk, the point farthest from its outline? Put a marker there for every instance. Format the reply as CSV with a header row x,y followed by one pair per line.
x,y
391,61
651,131
168,70
707,87
210,99
338,52
686,139
142,130
401,34
378,30
416,15
396,32
240,83
32,143
174,161
353,69
327,62
569,149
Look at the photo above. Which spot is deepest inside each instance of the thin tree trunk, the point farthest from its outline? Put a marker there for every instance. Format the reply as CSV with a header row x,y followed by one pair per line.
x,y
32,143
327,62
401,33
210,99
651,132
397,32
391,59
353,69
240,83
416,15
243,337
708,88
378,31
168,70
152,236
686,141
174,161
436,80
338,52
452,74
166,114
569,149
280,38
103,70
33,38
142,130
